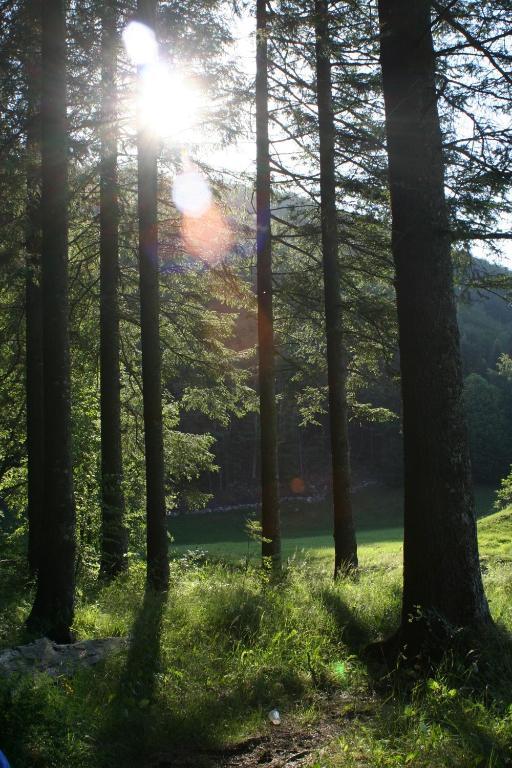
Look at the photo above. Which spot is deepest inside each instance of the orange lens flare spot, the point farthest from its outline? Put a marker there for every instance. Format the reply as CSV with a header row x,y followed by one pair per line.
x,y
207,236
297,485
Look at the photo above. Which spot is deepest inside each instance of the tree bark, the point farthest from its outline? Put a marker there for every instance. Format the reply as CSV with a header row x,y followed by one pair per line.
x,y
147,154
442,580
345,546
271,535
33,300
52,612
114,540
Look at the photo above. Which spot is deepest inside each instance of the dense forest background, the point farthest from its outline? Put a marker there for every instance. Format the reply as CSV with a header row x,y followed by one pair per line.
x,y
486,337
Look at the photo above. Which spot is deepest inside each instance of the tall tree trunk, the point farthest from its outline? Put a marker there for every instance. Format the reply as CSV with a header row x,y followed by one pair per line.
x,y
345,547
52,612
271,535
147,154
441,567
33,302
114,539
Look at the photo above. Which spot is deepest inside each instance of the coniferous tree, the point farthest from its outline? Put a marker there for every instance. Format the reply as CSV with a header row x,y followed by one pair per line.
x,y
114,538
33,305
442,580
147,160
52,612
271,536
345,547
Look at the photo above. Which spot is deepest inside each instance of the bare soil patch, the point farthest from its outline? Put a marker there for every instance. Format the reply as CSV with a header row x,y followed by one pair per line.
x,y
283,746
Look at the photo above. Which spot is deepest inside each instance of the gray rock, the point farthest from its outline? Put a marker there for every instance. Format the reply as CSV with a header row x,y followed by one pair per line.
x,y
53,659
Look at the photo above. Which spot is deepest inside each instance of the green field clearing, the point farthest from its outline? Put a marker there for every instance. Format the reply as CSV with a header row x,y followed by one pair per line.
x,y
306,527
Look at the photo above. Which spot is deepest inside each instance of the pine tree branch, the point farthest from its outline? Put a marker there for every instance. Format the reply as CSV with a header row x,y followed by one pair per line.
x,y
446,15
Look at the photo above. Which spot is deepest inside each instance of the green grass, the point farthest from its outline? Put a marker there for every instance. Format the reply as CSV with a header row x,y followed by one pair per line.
x,y
306,528
495,535
206,664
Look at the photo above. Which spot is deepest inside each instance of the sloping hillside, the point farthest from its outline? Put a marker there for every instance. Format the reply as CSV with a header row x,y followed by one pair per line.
x,y
495,535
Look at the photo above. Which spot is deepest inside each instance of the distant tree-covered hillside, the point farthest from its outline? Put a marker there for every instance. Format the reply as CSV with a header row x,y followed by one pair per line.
x,y
485,326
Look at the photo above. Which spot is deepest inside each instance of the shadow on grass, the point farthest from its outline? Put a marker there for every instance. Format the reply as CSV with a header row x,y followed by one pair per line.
x,y
354,633
480,664
465,693
123,739
490,660
172,708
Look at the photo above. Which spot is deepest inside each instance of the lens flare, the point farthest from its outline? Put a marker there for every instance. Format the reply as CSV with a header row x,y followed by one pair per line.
x,y
297,485
169,103
191,193
208,236
140,43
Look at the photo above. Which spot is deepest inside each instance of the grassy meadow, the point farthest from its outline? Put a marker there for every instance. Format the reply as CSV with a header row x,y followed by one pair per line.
x,y
306,528
205,664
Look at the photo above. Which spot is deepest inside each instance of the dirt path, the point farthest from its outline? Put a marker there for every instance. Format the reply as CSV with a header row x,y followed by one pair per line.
x,y
282,746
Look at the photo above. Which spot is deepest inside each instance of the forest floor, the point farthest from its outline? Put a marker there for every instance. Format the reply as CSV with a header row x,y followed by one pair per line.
x,y
205,664
283,746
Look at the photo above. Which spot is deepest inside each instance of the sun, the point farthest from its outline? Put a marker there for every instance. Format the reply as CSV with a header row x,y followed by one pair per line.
x,y
170,102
